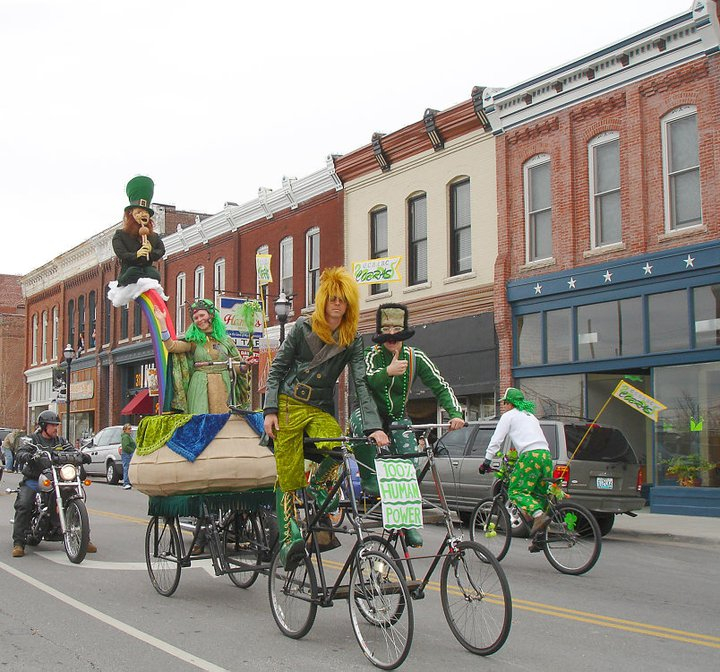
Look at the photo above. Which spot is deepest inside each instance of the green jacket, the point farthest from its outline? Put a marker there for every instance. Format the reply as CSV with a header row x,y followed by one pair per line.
x,y
128,443
132,267
307,369
391,392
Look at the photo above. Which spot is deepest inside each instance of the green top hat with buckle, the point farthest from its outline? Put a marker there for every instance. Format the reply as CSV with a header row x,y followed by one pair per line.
x,y
139,191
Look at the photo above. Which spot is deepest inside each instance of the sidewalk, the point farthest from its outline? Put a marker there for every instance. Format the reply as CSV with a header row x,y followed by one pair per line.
x,y
663,527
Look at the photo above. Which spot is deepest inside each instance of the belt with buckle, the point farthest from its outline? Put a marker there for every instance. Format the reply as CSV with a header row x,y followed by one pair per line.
x,y
302,391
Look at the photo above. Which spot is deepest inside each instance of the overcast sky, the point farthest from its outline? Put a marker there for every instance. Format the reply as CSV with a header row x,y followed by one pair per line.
x,y
215,98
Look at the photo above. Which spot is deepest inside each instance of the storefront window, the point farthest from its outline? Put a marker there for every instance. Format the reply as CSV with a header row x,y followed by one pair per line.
x,y
611,329
688,431
559,336
707,316
529,329
668,321
556,395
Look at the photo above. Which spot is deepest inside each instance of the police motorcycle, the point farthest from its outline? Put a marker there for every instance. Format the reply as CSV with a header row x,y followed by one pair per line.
x,y
60,487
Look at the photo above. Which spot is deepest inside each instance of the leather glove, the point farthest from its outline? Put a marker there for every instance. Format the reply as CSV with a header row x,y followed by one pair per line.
x,y
86,459
484,467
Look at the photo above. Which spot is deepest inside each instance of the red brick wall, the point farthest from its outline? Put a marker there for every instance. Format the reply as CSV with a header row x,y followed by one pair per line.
x,y
634,112
12,381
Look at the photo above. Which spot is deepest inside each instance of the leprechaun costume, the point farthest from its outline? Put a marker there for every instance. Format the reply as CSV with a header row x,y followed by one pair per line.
x,y
299,398
391,390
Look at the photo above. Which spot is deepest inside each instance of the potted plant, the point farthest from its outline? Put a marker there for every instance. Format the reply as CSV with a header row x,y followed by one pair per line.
x,y
687,468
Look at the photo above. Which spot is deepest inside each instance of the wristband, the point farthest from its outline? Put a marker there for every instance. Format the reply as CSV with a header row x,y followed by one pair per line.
x,y
165,335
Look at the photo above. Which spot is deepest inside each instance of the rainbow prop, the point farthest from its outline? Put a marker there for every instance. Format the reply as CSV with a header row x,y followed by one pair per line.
x,y
149,300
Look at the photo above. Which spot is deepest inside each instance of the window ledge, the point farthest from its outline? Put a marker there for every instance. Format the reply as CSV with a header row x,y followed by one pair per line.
x,y
604,249
123,340
379,297
540,263
470,275
417,288
680,233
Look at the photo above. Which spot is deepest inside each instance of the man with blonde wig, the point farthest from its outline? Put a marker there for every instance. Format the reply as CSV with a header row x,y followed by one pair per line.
x,y
300,396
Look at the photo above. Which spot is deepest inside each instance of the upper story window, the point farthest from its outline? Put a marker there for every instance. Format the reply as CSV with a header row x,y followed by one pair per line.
x,y
71,322
137,320
92,315
106,321
604,178
81,325
219,276
681,169
55,333
460,231
44,339
124,318
200,282
286,265
379,242
417,240
312,265
538,208
35,339
262,290
180,302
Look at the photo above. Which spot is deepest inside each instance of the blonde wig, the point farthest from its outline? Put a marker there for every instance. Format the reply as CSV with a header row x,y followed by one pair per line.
x,y
337,282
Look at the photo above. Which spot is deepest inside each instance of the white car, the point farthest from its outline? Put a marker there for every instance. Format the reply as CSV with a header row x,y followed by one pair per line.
x,y
106,453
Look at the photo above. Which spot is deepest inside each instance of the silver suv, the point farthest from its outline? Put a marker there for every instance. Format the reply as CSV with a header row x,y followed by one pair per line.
x,y
105,451
605,475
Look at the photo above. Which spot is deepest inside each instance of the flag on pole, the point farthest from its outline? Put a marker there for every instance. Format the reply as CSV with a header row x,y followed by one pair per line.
x,y
638,400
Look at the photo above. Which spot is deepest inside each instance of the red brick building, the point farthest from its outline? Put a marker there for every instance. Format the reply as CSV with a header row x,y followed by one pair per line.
x,y
12,341
609,236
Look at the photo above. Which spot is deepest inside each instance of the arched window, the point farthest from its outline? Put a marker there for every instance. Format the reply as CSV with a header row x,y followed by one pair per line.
x,y
312,265
44,339
71,322
286,265
35,339
199,283
262,290
55,333
180,303
219,276
92,316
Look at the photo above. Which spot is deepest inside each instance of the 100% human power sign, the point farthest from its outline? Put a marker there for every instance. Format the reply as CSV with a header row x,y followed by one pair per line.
x,y
399,494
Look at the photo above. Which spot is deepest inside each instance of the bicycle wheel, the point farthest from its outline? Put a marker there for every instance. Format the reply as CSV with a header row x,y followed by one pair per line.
x,y
476,598
243,540
77,531
162,554
572,540
293,597
490,526
380,610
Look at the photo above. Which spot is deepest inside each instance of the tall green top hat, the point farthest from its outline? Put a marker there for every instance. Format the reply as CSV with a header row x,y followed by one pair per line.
x,y
140,192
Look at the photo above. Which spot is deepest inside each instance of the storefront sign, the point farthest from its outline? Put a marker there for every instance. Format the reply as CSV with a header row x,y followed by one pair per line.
x,y
374,271
638,400
81,389
399,493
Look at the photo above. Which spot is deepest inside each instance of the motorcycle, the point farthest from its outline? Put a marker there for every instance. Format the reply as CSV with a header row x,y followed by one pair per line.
x,y
60,488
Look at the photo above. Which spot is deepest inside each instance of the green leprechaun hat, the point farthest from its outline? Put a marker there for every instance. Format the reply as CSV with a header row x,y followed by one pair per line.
x,y
139,191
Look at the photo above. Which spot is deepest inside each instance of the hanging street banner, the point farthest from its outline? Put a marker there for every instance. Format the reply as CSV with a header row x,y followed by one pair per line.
x,y
399,493
375,271
638,400
238,330
262,268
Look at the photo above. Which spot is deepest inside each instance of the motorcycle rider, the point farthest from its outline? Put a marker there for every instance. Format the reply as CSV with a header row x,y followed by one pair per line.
x,y
45,437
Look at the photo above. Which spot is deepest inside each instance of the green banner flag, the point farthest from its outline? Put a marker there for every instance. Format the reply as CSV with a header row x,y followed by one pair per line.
x,y
638,400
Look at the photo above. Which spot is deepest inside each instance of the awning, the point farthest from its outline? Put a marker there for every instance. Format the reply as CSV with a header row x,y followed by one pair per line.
x,y
141,404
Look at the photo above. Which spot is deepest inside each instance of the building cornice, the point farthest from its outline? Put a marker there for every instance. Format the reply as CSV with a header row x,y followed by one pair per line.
x,y
686,37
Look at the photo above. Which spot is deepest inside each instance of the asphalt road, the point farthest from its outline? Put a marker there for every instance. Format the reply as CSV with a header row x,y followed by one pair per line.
x,y
643,607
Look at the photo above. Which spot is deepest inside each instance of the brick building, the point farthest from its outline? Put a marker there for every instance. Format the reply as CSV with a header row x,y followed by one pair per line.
x,y
609,235
12,341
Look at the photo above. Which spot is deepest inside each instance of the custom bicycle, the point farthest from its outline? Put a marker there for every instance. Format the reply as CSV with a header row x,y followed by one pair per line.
x,y
379,600
571,542
474,591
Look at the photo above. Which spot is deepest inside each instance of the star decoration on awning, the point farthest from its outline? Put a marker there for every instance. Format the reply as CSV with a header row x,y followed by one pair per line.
x,y
647,268
538,288
608,276
571,283
689,262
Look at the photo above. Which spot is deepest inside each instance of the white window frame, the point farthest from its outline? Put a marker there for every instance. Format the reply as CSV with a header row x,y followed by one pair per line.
x,y
380,287
218,277
180,298
44,338
286,265
199,282
534,162
666,122
597,141
55,332
452,224
310,269
35,339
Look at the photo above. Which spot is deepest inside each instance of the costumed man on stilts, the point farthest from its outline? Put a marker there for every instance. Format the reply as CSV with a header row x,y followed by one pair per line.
x,y
138,247
391,368
299,397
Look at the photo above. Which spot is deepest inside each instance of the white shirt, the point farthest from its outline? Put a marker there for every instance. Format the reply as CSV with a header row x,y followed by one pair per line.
x,y
523,429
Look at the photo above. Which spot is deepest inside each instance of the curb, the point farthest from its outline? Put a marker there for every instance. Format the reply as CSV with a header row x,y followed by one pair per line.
x,y
667,537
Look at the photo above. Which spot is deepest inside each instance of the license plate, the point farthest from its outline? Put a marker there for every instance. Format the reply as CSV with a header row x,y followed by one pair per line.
x,y
604,483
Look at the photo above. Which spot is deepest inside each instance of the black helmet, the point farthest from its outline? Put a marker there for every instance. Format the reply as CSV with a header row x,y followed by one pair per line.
x,y
48,418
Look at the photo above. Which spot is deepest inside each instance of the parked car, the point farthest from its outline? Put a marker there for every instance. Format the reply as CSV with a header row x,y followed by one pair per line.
x,y
105,451
605,475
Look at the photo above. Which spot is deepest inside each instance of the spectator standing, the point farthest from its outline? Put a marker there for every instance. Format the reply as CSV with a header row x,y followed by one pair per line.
x,y
128,448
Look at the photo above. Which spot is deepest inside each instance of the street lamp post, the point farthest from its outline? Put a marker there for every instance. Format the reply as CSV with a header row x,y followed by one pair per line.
x,y
282,310
69,355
